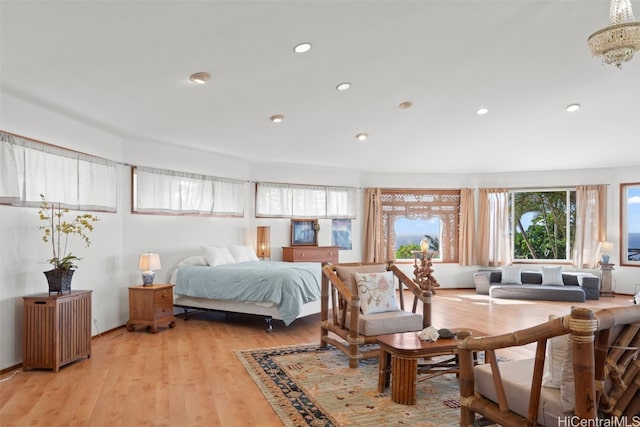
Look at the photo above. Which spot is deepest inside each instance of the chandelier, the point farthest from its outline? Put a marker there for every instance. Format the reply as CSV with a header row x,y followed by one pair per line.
x,y
618,42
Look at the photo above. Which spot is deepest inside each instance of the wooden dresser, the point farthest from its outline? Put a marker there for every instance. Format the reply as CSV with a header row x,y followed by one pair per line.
x,y
57,329
150,306
310,254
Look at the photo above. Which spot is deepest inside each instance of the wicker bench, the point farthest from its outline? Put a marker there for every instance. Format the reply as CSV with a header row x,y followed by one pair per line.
x,y
601,375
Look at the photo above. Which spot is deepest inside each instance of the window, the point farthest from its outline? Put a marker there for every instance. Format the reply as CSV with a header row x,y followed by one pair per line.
x,y
76,180
304,201
630,224
179,193
543,224
408,216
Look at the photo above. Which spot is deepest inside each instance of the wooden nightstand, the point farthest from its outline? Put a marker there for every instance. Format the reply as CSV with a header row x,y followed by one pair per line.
x,y
150,306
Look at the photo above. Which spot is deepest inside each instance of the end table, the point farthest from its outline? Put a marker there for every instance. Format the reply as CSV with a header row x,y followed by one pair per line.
x,y
151,306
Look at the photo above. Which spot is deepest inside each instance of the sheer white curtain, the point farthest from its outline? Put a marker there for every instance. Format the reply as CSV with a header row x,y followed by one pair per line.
x,y
494,241
304,201
591,224
165,191
76,180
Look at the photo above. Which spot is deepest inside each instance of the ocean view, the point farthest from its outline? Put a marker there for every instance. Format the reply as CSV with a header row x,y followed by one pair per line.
x,y
633,253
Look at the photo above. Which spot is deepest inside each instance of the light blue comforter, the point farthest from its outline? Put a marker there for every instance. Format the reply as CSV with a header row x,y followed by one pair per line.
x,y
287,285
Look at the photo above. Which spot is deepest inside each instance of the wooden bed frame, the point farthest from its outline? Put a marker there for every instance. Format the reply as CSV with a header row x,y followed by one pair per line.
x,y
266,309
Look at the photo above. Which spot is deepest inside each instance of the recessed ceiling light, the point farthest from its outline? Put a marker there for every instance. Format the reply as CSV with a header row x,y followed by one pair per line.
x,y
362,136
200,78
302,47
482,111
406,104
343,86
276,118
573,107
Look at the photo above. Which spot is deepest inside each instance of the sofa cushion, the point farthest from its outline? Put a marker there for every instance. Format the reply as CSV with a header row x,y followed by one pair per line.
x,y
537,292
511,274
552,276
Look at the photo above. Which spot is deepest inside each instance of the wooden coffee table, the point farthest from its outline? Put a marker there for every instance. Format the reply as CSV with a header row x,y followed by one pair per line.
x,y
399,354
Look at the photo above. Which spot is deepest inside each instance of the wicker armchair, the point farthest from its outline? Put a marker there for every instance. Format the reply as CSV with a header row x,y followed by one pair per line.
x,y
344,326
600,377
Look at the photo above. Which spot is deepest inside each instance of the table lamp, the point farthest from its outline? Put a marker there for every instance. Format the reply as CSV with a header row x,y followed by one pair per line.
x,y
147,264
605,250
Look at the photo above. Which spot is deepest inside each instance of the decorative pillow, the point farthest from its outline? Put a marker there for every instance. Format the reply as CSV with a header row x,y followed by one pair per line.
x,y
567,383
511,274
242,253
217,256
552,276
377,292
557,353
346,273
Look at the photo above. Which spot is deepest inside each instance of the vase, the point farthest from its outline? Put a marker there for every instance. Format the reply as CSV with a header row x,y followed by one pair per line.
x,y
59,280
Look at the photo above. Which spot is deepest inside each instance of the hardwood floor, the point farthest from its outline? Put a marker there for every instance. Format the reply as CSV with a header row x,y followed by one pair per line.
x,y
190,376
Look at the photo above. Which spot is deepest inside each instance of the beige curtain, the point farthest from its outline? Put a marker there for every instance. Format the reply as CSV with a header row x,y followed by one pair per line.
x,y
494,242
591,224
467,234
373,242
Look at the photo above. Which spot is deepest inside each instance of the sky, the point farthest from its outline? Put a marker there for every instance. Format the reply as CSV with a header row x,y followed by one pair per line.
x,y
633,210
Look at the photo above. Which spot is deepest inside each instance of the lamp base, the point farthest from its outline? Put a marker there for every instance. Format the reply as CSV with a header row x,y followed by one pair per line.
x,y
605,259
147,278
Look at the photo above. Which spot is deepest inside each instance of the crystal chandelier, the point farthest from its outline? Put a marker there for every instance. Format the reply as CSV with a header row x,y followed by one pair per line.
x,y
618,42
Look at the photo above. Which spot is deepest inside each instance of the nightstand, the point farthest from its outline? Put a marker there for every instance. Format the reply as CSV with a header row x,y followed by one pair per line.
x,y
150,306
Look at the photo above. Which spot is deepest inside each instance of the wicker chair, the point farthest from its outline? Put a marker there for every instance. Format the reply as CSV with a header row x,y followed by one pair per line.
x,y
344,326
603,348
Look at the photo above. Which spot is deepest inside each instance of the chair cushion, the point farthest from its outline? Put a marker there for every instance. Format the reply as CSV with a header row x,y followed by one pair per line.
x,y
377,292
345,273
516,377
389,322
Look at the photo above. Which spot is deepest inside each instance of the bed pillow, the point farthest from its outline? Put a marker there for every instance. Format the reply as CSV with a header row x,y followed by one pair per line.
x,y
377,292
217,256
242,253
552,276
511,274
346,273
193,260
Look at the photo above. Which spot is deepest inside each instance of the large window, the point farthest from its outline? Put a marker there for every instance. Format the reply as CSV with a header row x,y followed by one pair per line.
x,y
409,216
543,224
630,224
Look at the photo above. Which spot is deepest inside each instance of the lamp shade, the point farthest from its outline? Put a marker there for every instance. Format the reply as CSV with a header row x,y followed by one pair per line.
x,y
149,262
263,247
606,247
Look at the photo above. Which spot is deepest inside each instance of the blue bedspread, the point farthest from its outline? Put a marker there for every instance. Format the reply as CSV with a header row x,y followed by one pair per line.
x,y
287,285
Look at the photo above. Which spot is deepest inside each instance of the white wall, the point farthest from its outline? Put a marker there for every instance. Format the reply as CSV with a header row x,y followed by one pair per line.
x,y
109,265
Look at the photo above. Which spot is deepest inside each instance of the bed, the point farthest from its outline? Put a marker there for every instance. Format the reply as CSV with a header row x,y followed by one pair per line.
x,y
273,289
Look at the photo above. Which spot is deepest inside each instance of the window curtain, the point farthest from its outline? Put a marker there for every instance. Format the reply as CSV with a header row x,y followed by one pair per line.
x,y
304,201
467,234
165,191
75,180
591,224
494,242
373,249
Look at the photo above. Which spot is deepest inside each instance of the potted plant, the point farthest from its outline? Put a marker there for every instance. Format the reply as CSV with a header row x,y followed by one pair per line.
x,y
57,231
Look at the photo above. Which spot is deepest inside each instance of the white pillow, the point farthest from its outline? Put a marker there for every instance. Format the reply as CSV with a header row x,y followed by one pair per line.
x,y
193,260
557,353
377,292
552,276
511,274
217,256
242,253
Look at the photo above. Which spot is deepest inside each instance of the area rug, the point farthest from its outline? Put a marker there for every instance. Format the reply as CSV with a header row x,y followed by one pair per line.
x,y
310,386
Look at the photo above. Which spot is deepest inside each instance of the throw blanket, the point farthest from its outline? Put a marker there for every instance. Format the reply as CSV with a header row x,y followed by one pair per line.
x,y
287,285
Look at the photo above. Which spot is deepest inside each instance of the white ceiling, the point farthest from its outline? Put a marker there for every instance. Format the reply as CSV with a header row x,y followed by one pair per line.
x,y
123,66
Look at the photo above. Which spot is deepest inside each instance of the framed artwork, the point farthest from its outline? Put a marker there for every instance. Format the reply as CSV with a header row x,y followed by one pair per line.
x,y
341,233
630,224
304,232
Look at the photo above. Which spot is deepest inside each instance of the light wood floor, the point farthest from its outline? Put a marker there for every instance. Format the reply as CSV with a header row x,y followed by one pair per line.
x,y
190,376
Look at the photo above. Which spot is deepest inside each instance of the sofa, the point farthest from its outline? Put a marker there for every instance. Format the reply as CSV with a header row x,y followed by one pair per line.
x,y
550,284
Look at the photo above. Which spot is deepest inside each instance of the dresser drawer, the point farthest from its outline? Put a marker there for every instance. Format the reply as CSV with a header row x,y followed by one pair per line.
x,y
310,254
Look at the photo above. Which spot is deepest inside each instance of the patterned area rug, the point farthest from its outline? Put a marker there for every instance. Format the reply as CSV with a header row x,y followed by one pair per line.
x,y
309,386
